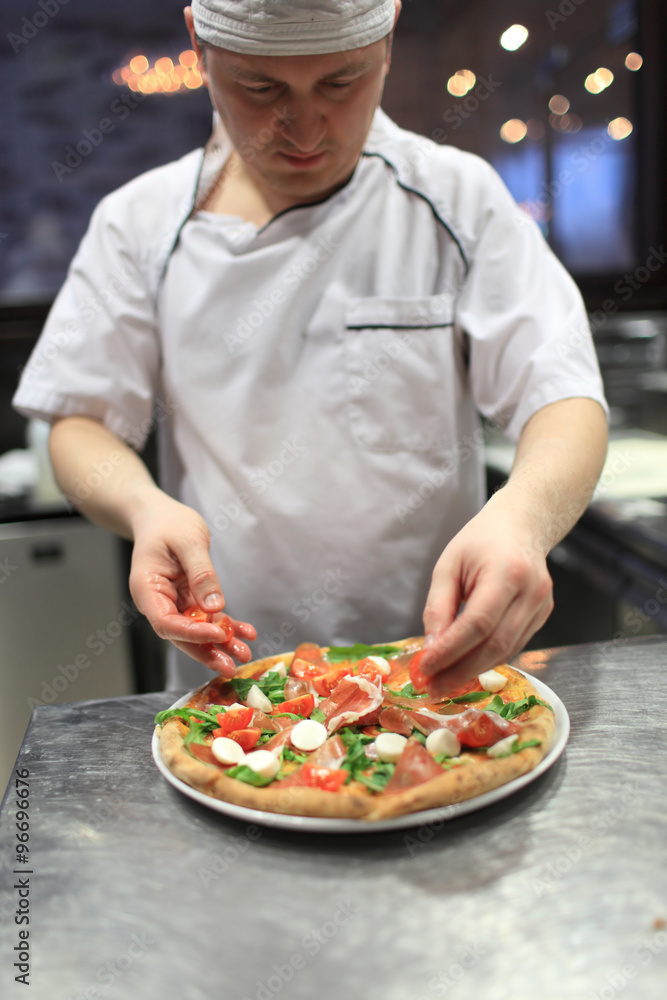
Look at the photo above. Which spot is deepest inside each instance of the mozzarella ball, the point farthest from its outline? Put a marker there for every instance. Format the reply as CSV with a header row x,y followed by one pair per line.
x,y
227,751
381,664
262,762
390,746
502,746
257,699
443,741
278,668
492,680
308,735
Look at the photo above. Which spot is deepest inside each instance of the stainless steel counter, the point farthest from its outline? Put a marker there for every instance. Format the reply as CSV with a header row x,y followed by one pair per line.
x,y
557,892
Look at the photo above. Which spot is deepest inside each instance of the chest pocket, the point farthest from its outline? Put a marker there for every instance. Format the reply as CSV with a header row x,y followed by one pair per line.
x,y
400,366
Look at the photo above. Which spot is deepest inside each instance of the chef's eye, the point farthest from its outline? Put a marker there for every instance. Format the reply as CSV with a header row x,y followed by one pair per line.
x,y
339,84
265,88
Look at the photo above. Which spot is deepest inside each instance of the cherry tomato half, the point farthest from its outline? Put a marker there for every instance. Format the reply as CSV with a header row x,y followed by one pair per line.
x,y
307,671
326,778
235,718
246,738
303,705
224,622
419,680
325,684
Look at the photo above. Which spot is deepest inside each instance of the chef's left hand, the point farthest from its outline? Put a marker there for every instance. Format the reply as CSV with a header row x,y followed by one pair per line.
x,y
496,567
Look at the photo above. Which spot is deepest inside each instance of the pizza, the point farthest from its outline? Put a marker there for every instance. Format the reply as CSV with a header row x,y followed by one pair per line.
x,y
350,732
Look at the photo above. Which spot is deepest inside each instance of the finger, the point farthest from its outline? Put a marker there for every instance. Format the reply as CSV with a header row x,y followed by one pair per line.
x,y
202,578
479,619
518,628
244,629
211,656
177,627
234,647
442,603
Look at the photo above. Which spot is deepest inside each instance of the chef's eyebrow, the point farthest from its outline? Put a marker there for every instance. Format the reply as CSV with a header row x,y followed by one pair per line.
x,y
348,69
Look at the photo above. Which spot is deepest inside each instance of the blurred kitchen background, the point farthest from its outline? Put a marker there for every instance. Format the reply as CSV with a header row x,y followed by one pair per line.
x,y
566,98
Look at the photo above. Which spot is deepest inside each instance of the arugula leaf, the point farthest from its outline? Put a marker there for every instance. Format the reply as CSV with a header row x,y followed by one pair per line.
x,y
186,714
318,715
408,691
511,709
287,715
359,651
289,754
416,735
273,686
378,778
198,730
244,773
519,746
471,696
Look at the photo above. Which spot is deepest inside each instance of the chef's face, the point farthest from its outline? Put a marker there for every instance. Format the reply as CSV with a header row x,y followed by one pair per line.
x,y
298,122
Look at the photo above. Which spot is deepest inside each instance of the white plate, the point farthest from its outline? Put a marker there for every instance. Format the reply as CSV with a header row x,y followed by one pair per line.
x,y
317,824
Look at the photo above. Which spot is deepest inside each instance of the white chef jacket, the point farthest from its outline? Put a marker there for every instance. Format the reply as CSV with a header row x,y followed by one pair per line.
x,y
316,383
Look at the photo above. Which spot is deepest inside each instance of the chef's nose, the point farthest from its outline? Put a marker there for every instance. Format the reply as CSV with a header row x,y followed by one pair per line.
x,y
304,125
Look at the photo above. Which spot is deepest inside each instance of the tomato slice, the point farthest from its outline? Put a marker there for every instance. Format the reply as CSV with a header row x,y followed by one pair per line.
x,y
326,684
480,729
246,738
307,671
235,718
224,622
303,705
366,668
419,680
326,778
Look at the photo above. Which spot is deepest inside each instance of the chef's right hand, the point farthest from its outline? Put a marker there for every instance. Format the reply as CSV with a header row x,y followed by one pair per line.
x,y
172,571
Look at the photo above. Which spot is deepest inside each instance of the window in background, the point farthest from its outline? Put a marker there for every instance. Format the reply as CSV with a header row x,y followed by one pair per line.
x,y
72,128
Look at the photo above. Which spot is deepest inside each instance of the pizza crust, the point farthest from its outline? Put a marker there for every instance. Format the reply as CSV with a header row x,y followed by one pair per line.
x,y
354,801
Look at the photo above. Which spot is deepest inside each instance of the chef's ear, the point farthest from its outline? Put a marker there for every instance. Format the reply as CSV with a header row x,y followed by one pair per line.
x,y
197,44
390,37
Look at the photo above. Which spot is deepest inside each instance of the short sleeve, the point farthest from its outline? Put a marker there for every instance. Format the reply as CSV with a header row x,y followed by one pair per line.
x,y
528,332
98,354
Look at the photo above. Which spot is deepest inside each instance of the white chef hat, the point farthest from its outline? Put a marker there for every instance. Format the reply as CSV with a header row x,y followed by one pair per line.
x,y
292,27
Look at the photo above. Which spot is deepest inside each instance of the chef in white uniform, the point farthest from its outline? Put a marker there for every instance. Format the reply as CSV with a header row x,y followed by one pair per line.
x,y
315,310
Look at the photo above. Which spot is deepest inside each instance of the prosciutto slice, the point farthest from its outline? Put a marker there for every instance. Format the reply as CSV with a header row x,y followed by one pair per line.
x,y
351,700
397,720
330,755
414,767
475,728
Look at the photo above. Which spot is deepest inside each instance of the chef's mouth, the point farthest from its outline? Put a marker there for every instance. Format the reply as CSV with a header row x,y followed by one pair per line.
x,y
299,160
